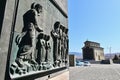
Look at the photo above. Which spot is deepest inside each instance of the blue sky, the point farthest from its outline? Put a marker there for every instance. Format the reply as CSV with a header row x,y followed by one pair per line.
x,y
94,20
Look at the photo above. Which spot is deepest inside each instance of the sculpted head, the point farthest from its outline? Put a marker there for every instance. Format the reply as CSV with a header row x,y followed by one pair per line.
x,y
37,7
57,25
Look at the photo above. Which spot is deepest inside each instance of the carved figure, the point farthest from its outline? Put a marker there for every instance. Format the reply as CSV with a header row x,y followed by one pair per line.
x,y
48,52
62,43
60,49
48,48
44,49
55,35
27,44
25,60
66,45
41,48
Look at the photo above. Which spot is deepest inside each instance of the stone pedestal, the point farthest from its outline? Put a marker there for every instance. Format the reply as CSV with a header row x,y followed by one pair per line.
x,y
72,60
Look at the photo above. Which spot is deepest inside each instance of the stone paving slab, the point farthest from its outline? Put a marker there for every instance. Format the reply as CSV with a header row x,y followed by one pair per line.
x,y
63,76
95,72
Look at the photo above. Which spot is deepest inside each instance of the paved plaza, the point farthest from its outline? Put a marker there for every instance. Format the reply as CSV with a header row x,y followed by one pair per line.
x,y
95,72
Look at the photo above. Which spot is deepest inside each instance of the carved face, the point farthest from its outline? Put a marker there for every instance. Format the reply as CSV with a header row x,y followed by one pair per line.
x,y
38,8
57,25
47,37
40,36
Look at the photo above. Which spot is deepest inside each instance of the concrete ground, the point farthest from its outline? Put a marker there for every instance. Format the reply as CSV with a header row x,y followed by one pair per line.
x,y
63,76
95,72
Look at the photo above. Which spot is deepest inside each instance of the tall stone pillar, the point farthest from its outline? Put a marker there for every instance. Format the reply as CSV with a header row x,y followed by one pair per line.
x,y
33,34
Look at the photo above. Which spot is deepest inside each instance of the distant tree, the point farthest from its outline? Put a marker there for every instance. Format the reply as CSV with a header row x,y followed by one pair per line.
x,y
116,57
119,56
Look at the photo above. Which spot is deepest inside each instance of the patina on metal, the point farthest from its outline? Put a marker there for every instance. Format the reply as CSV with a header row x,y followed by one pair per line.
x,y
35,51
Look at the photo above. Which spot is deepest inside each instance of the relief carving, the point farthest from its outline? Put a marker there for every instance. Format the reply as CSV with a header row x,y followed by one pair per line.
x,y
26,41
60,44
56,44
35,51
63,44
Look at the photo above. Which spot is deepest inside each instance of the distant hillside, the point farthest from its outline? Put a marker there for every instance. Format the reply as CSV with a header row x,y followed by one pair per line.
x,y
107,55
77,54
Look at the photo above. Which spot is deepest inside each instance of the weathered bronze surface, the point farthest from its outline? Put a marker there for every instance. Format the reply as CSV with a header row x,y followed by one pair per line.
x,y
37,46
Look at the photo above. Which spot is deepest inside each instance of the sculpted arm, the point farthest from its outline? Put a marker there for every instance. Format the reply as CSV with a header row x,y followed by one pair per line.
x,y
39,29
